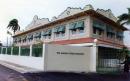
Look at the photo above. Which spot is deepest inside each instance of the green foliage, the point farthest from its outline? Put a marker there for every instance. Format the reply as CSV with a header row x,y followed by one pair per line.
x,y
37,50
15,50
13,24
25,51
124,18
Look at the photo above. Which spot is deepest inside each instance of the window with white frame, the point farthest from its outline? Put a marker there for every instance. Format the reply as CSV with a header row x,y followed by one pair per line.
x,y
98,27
110,32
30,37
37,36
47,34
119,36
59,31
77,27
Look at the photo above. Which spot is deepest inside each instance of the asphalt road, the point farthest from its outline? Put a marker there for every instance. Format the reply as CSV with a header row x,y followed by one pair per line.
x,y
7,74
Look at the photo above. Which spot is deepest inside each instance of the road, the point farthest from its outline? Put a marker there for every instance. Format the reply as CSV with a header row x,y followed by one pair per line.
x,y
7,74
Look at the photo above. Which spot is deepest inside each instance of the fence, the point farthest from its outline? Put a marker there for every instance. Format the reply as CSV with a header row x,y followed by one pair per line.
x,y
32,50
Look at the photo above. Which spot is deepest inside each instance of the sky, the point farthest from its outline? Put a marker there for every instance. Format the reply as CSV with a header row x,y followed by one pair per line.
x,y
24,11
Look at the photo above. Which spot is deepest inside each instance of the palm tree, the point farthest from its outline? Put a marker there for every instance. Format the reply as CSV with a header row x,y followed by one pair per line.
x,y
13,24
124,18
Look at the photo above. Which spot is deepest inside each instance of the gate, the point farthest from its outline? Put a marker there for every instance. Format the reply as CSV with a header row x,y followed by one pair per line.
x,y
109,60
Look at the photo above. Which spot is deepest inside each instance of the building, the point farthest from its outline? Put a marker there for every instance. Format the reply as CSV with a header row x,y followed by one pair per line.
x,y
78,27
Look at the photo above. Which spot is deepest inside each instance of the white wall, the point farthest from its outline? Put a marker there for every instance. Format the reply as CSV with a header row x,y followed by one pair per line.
x,y
33,62
55,60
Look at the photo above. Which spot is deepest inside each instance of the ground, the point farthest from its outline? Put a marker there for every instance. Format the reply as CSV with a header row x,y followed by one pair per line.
x,y
7,74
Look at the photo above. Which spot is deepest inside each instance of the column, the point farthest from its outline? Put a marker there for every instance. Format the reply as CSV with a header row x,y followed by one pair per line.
x,y
30,50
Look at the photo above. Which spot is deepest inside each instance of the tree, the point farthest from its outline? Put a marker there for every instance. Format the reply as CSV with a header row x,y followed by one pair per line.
x,y
13,24
124,18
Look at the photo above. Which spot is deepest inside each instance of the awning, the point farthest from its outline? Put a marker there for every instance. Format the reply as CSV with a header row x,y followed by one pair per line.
x,y
72,26
48,32
30,36
61,28
99,25
79,24
56,29
110,29
38,35
120,34
19,39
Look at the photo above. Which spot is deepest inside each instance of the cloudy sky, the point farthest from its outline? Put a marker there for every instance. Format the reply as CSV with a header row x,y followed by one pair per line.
x,y
24,10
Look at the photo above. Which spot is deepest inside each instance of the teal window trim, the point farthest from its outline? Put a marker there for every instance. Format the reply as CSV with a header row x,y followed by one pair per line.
x,y
72,26
99,25
79,24
37,35
56,30
48,33
15,50
30,37
120,34
61,28
110,29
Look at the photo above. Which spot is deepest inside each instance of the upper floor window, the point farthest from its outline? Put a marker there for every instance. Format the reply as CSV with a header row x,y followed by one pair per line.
x,y
15,40
110,32
119,36
30,37
76,27
59,31
24,39
47,34
98,27
19,40
37,35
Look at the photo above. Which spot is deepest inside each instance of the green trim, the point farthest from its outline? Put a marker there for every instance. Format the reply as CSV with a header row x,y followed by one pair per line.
x,y
56,29
79,24
9,50
4,51
61,28
99,25
72,26
37,50
15,51
25,51
110,29
37,35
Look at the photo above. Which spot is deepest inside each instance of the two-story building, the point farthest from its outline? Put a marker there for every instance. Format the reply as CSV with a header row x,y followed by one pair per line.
x,y
79,27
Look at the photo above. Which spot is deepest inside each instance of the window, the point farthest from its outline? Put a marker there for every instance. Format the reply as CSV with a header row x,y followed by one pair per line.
x,y
24,39
98,27
19,40
76,27
59,31
119,36
37,36
30,37
110,32
15,40
47,34
98,31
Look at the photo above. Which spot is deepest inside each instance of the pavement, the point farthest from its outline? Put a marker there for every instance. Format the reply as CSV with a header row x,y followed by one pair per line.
x,y
7,74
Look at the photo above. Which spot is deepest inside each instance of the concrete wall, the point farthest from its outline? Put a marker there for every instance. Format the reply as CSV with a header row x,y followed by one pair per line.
x,y
33,62
69,58
58,58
